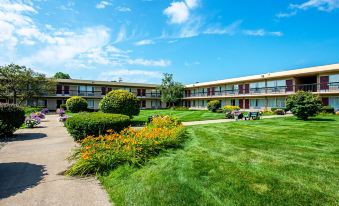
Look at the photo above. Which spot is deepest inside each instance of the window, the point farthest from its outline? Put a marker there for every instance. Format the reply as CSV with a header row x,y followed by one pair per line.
x,y
280,102
59,89
82,90
334,102
66,89
257,103
334,78
90,103
271,102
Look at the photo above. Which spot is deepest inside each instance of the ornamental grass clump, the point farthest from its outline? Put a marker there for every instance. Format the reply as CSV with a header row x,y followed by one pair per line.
x,y
130,146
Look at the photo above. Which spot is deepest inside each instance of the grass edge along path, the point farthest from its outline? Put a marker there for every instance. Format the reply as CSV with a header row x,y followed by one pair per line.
x,y
268,162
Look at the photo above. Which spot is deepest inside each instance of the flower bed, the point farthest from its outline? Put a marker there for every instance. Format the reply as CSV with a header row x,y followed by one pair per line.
x,y
99,154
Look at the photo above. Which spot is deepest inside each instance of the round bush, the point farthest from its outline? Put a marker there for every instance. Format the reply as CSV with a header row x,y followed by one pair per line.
x,y
213,105
304,104
76,104
96,123
11,118
120,102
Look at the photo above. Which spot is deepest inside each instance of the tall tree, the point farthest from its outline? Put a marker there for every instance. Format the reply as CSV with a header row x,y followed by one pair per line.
x,y
171,91
20,83
61,75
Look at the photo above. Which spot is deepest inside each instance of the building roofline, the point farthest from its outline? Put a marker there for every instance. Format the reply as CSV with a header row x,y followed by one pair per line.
x,y
281,74
104,83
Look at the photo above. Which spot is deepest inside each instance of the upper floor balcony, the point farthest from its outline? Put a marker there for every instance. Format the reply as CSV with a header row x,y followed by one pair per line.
x,y
316,88
98,94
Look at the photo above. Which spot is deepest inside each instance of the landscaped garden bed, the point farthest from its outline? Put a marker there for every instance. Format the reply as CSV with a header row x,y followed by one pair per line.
x,y
98,154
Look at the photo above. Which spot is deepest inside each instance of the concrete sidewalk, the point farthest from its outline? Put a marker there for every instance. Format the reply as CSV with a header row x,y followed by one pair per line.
x,y
215,121
30,168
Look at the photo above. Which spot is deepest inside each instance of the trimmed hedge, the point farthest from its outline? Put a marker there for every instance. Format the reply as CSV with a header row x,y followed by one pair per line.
x,y
76,104
11,118
94,124
120,102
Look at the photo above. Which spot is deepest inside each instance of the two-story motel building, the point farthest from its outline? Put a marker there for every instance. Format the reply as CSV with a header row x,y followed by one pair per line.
x,y
267,90
250,92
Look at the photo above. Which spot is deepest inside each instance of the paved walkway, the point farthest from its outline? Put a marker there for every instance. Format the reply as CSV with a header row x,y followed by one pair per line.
x,y
30,167
226,120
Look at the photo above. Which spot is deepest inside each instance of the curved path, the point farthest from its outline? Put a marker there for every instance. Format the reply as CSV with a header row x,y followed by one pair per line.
x,y
30,168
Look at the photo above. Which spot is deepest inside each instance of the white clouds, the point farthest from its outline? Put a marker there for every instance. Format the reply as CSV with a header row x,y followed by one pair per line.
x,y
121,36
123,9
191,3
179,12
321,5
102,4
262,32
144,42
145,62
67,48
130,75
230,29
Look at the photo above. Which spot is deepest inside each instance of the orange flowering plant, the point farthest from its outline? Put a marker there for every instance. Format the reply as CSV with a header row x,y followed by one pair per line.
x,y
99,154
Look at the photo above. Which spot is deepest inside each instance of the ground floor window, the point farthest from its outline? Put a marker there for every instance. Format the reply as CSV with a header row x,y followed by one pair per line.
x,y
334,102
90,103
257,103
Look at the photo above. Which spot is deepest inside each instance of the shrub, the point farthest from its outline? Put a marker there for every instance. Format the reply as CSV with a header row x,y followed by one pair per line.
x,y
76,104
273,109
327,110
229,108
279,112
267,112
179,108
135,147
303,104
120,102
11,118
63,106
30,109
95,123
213,105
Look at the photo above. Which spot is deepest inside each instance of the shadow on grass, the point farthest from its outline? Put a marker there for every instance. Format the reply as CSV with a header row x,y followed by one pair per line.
x,y
16,177
317,119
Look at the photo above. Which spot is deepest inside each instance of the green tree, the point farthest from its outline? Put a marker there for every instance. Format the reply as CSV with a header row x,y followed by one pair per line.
x,y
171,91
304,104
61,75
20,83
120,102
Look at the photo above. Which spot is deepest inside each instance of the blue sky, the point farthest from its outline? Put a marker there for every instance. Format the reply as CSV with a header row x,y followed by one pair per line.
x,y
196,40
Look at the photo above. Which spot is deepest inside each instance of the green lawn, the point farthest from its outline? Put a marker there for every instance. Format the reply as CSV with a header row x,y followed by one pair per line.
x,y
266,162
185,116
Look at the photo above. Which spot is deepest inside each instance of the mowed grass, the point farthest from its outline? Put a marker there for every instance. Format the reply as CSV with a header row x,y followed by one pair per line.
x,y
185,116
265,162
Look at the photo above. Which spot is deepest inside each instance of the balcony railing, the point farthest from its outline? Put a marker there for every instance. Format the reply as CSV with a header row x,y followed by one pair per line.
x,y
66,93
322,88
